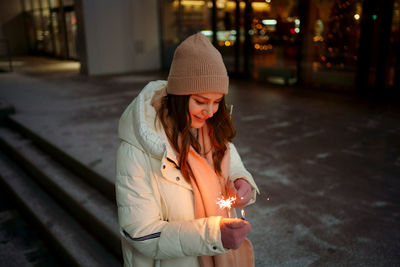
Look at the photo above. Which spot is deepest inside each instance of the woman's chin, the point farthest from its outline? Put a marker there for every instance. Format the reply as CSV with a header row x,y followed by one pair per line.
x,y
197,125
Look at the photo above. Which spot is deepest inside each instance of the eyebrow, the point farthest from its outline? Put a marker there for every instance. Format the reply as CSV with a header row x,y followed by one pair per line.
x,y
209,98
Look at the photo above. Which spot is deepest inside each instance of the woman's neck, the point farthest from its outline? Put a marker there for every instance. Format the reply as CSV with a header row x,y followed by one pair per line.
x,y
194,131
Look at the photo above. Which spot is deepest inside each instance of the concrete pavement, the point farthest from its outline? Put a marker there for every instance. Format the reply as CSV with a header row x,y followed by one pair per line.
x,y
328,165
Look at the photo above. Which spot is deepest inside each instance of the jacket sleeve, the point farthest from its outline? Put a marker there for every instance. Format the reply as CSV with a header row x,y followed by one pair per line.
x,y
237,170
140,218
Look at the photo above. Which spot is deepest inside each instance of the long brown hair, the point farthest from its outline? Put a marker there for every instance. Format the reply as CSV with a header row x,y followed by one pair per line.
x,y
220,126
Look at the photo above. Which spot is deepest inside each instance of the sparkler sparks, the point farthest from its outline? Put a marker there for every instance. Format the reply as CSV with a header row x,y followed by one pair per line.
x,y
225,203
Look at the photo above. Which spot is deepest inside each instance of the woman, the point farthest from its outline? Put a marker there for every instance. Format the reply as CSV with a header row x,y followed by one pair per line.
x,y
175,161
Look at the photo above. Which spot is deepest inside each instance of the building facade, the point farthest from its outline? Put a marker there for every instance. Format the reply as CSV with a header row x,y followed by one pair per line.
x,y
333,44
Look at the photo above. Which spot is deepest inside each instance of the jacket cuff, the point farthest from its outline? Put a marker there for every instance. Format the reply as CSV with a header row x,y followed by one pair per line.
x,y
204,234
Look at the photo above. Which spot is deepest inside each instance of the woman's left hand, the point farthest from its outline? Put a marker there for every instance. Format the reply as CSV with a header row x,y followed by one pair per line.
x,y
242,190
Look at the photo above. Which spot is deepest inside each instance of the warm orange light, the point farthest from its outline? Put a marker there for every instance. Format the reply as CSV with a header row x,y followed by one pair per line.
x,y
261,7
318,39
226,203
189,3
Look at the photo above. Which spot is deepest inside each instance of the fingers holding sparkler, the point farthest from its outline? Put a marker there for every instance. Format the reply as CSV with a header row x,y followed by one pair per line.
x,y
233,232
243,193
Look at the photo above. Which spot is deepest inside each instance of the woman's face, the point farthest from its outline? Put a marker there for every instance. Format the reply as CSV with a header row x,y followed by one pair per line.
x,y
202,107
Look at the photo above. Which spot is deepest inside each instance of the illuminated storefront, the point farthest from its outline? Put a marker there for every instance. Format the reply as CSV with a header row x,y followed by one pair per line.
x,y
51,27
314,43
328,44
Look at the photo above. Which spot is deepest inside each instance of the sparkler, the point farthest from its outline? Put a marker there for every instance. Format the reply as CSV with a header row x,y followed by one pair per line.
x,y
243,215
226,203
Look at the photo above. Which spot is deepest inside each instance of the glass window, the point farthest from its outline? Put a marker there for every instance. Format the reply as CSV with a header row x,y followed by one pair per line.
x,y
181,19
36,4
394,45
335,43
47,32
45,4
30,29
226,32
68,2
70,19
54,3
57,32
27,5
39,34
274,41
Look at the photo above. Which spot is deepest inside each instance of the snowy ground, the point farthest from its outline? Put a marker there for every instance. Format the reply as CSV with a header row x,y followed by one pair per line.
x,y
327,165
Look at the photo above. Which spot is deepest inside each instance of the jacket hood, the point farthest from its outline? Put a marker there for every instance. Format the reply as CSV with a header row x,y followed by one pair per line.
x,y
136,125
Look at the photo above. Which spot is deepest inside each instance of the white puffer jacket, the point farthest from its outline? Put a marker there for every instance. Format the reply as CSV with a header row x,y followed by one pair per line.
x,y
155,203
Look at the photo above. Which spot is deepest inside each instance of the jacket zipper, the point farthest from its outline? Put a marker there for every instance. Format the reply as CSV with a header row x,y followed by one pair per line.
x,y
176,165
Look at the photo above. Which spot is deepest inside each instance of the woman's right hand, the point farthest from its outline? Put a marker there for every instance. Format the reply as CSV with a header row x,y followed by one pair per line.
x,y
233,232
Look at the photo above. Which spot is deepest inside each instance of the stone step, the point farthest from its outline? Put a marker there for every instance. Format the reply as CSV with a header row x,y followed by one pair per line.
x,y
74,245
90,176
6,110
87,205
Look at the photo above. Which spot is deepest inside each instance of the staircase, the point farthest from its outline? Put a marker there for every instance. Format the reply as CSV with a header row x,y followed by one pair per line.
x,y
72,206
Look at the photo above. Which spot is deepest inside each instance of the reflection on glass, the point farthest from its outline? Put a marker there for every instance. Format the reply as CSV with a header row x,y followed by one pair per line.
x,y
27,5
275,26
70,19
57,33
181,19
68,2
394,45
336,41
51,27
44,4
47,38
263,38
226,32
54,3
36,4
39,34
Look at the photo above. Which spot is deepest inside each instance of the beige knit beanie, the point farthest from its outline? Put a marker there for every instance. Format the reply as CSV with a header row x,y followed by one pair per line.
x,y
197,67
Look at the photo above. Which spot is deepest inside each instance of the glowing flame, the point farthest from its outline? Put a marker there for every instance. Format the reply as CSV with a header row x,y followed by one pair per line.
x,y
226,203
243,213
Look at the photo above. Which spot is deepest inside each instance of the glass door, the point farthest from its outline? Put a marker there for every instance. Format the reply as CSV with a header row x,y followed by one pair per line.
x,y
229,25
393,72
179,19
259,39
275,26
335,43
71,28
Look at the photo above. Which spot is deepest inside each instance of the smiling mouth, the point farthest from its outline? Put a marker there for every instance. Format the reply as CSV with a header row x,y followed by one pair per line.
x,y
199,119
